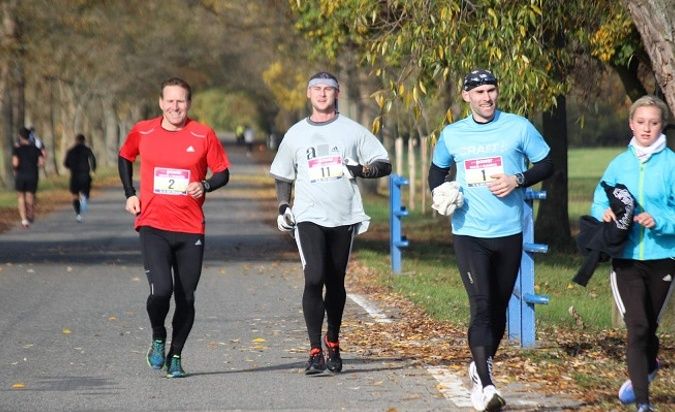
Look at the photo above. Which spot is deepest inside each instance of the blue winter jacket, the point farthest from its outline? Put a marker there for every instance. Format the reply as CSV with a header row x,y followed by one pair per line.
x,y
652,183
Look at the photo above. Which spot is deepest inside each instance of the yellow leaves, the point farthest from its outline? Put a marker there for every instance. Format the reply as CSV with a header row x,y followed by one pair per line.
x,y
449,116
377,125
18,386
493,15
66,331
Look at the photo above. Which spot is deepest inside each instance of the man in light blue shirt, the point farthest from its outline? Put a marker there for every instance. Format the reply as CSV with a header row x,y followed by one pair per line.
x,y
490,150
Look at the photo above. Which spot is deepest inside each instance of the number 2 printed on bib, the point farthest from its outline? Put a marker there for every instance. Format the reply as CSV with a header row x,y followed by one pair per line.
x,y
477,172
169,181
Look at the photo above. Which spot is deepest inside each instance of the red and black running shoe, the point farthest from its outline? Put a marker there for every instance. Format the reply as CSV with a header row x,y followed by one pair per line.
x,y
333,361
316,364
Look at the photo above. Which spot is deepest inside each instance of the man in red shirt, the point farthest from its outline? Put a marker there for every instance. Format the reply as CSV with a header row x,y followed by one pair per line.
x,y
175,152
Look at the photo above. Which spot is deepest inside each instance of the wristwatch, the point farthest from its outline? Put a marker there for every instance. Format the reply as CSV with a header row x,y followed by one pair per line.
x,y
207,186
520,179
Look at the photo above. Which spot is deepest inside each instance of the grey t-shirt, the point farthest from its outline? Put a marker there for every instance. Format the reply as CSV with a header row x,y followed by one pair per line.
x,y
312,155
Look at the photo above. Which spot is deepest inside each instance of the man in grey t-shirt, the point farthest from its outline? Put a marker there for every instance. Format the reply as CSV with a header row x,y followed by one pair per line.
x,y
322,155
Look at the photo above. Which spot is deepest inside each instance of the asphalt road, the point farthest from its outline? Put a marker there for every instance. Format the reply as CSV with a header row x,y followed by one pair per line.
x,y
74,331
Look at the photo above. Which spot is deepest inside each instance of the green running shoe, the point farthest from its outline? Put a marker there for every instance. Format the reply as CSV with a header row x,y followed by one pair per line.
x,y
173,368
155,356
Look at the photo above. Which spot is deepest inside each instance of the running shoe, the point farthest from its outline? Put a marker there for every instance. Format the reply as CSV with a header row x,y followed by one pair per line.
x,y
333,359
316,363
78,218
645,407
25,223
492,399
173,368
626,392
155,356
476,388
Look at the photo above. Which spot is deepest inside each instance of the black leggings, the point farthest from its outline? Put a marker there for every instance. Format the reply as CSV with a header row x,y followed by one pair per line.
x,y
324,252
489,268
641,290
173,264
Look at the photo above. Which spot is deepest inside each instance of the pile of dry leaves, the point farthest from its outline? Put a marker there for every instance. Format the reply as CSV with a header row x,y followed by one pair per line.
x,y
586,366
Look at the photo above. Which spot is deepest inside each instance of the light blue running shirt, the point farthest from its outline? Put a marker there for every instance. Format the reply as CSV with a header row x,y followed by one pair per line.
x,y
480,150
311,155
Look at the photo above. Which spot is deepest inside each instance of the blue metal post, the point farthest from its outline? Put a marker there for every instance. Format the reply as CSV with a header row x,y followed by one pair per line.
x,y
396,212
521,319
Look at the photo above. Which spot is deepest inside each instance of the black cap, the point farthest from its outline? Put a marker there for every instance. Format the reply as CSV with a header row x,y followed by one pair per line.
x,y
477,78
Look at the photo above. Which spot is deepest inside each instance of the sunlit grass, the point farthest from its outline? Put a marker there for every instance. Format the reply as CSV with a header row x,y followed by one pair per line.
x,y
430,276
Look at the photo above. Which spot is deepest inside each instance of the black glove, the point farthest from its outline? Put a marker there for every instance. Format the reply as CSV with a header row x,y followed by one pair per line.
x,y
356,170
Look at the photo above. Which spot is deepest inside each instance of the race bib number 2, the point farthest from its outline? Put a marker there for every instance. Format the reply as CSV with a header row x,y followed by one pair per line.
x,y
478,171
170,181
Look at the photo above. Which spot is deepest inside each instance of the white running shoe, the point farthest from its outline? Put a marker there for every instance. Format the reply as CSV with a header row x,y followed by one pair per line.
x,y
78,218
492,399
476,388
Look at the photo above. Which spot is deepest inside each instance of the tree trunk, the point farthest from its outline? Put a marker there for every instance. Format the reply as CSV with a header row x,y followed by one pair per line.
x,y
655,20
111,131
630,80
553,225
9,41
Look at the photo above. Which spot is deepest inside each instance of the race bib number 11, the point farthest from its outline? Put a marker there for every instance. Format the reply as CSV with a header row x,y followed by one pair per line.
x,y
478,171
170,181
325,168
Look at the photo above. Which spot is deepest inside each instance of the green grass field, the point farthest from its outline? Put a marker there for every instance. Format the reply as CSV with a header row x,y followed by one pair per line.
x,y
430,276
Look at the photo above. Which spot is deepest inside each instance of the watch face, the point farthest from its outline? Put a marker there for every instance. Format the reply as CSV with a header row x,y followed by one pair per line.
x,y
520,179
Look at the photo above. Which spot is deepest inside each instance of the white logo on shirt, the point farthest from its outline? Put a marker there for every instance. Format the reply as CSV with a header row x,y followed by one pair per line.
x,y
198,242
190,149
668,278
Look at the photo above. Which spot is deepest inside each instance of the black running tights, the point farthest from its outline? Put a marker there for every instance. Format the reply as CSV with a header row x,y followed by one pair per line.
x,y
489,268
173,264
324,252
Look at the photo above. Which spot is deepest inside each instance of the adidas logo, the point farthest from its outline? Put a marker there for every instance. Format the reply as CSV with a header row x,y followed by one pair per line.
x,y
668,278
198,242
190,149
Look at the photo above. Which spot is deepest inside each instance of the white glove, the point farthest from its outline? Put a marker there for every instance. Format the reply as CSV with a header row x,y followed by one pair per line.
x,y
447,197
286,220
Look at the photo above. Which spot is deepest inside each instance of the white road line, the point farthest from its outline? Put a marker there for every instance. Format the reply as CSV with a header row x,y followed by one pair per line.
x,y
372,310
451,386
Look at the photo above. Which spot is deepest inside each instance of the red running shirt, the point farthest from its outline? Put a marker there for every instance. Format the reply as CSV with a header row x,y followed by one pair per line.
x,y
169,161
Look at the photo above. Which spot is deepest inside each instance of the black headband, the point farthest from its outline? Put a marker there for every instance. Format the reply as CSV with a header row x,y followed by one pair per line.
x,y
478,78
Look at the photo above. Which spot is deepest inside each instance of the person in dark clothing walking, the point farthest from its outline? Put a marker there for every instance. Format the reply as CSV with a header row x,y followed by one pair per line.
x,y
80,160
26,158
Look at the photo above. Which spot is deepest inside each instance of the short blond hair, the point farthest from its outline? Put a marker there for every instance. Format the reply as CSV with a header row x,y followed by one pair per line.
x,y
650,100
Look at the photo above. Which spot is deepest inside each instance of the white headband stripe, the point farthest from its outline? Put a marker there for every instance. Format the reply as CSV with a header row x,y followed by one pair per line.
x,y
326,82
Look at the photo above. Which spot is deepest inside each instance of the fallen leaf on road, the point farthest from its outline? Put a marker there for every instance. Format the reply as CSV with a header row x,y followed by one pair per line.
x,y
67,331
18,386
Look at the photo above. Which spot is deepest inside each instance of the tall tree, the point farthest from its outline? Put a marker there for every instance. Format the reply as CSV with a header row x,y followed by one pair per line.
x,y
420,49
655,20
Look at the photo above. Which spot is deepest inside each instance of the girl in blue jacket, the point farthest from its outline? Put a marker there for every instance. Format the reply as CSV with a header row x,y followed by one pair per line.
x,y
642,278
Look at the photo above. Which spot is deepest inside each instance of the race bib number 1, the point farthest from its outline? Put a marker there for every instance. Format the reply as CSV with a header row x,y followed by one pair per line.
x,y
170,181
478,171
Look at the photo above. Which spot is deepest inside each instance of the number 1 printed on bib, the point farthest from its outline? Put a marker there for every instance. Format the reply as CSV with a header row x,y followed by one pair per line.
x,y
477,172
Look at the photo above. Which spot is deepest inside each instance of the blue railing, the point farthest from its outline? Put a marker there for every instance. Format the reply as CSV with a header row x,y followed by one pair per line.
x,y
396,212
521,319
